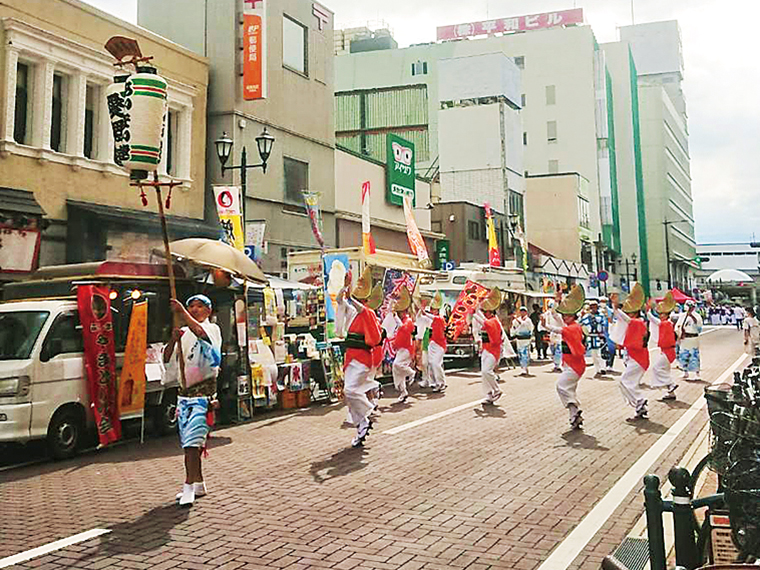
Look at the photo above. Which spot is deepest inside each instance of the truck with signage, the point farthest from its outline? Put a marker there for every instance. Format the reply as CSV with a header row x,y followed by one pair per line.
x,y
43,388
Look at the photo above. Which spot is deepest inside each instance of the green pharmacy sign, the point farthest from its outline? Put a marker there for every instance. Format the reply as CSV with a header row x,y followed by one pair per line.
x,y
400,170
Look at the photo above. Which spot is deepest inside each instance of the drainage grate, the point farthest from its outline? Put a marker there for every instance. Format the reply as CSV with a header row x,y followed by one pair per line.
x,y
633,553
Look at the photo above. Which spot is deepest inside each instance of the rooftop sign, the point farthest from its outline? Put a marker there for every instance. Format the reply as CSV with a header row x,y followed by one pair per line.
x,y
515,24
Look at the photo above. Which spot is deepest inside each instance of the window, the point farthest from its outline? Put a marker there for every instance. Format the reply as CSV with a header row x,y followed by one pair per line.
x,y
58,118
172,133
522,100
296,181
92,99
419,68
551,131
551,95
436,226
473,230
520,61
21,113
517,206
294,45
525,138
553,166
583,213
65,337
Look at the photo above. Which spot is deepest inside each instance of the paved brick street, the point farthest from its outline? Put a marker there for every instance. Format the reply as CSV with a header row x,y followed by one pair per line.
x,y
497,487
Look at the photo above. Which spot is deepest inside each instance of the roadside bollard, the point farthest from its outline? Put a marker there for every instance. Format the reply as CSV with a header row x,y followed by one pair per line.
x,y
655,533
683,519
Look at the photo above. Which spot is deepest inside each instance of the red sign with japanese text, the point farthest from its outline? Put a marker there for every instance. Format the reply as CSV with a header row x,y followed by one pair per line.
x,y
469,299
515,24
99,359
254,50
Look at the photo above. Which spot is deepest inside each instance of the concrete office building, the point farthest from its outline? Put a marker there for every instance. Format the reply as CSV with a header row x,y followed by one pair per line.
x,y
297,110
58,173
563,110
666,173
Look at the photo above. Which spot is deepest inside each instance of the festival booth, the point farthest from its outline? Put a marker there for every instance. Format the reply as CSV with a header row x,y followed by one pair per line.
x,y
393,270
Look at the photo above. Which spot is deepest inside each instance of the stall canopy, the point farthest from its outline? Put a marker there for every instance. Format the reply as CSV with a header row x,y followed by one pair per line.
x,y
729,276
679,296
218,255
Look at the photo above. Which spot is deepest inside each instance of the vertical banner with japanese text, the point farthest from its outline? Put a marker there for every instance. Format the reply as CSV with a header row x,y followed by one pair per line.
x,y
99,359
469,299
494,257
228,208
413,235
254,238
132,381
312,208
368,244
254,49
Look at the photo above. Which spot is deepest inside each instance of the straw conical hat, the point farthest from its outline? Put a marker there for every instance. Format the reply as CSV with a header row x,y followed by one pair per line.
x,y
635,300
363,285
403,301
492,302
376,297
667,304
574,301
437,303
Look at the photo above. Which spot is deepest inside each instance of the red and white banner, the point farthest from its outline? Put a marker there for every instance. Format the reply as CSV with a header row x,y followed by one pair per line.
x,y
515,24
469,299
254,49
494,258
100,359
413,235
230,217
367,242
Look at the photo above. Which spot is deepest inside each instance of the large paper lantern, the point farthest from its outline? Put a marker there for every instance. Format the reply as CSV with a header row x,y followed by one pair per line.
x,y
137,105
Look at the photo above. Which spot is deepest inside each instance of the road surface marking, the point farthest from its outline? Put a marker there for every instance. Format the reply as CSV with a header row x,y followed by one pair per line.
x,y
443,414
576,541
52,547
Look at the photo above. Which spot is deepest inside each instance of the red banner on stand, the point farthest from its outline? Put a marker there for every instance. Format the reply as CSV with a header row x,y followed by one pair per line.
x,y
99,359
469,299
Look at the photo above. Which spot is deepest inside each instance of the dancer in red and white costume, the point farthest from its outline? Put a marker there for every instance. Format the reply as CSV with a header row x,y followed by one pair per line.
x,y
492,333
663,336
363,334
437,347
403,344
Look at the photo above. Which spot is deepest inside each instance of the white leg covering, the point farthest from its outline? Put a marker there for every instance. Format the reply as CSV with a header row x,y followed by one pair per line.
x,y
356,387
599,365
567,387
488,376
629,383
661,371
435,365
402,369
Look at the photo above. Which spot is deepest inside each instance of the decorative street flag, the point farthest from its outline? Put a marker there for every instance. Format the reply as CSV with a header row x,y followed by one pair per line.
x,y
367,242
469,299
132,382
312,207
254,49
494,259
228,208
413,235
254,238
99,359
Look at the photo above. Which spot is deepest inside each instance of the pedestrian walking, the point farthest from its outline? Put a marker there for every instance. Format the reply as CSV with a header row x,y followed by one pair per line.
x,y
751,328
595,328
663,336
403,344
538,333
358,323
637,353
573,354
437,345
688,329
201,345
522,329
609,349
422,322
492,332
739,315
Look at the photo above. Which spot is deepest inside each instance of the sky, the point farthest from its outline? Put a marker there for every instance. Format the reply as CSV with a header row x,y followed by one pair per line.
x,y
721,81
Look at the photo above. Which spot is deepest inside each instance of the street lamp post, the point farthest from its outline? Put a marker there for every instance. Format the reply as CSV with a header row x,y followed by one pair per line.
x,y
223,144
627,273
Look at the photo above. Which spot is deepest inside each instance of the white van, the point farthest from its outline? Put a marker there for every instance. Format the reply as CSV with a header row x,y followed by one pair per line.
x,y
43,389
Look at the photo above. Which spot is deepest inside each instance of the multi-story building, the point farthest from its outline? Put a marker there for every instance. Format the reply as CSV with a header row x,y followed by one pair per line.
x,y
294,54
666,173
56,146
563,106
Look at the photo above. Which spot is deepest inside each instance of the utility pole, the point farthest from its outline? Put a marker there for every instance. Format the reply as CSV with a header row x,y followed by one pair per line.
x,y
666,223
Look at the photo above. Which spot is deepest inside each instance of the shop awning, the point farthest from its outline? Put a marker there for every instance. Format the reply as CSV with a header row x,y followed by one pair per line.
x,y
22,201
146,220
531,294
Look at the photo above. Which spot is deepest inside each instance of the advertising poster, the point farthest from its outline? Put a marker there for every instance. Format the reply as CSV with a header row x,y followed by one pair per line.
x,y
228,209
132,381
399,164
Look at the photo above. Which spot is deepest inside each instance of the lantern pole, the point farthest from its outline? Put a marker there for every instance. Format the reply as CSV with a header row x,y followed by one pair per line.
x,y
168,255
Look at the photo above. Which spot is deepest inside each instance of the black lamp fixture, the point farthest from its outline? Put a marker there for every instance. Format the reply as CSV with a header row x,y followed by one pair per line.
x,y
264,142
223,149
